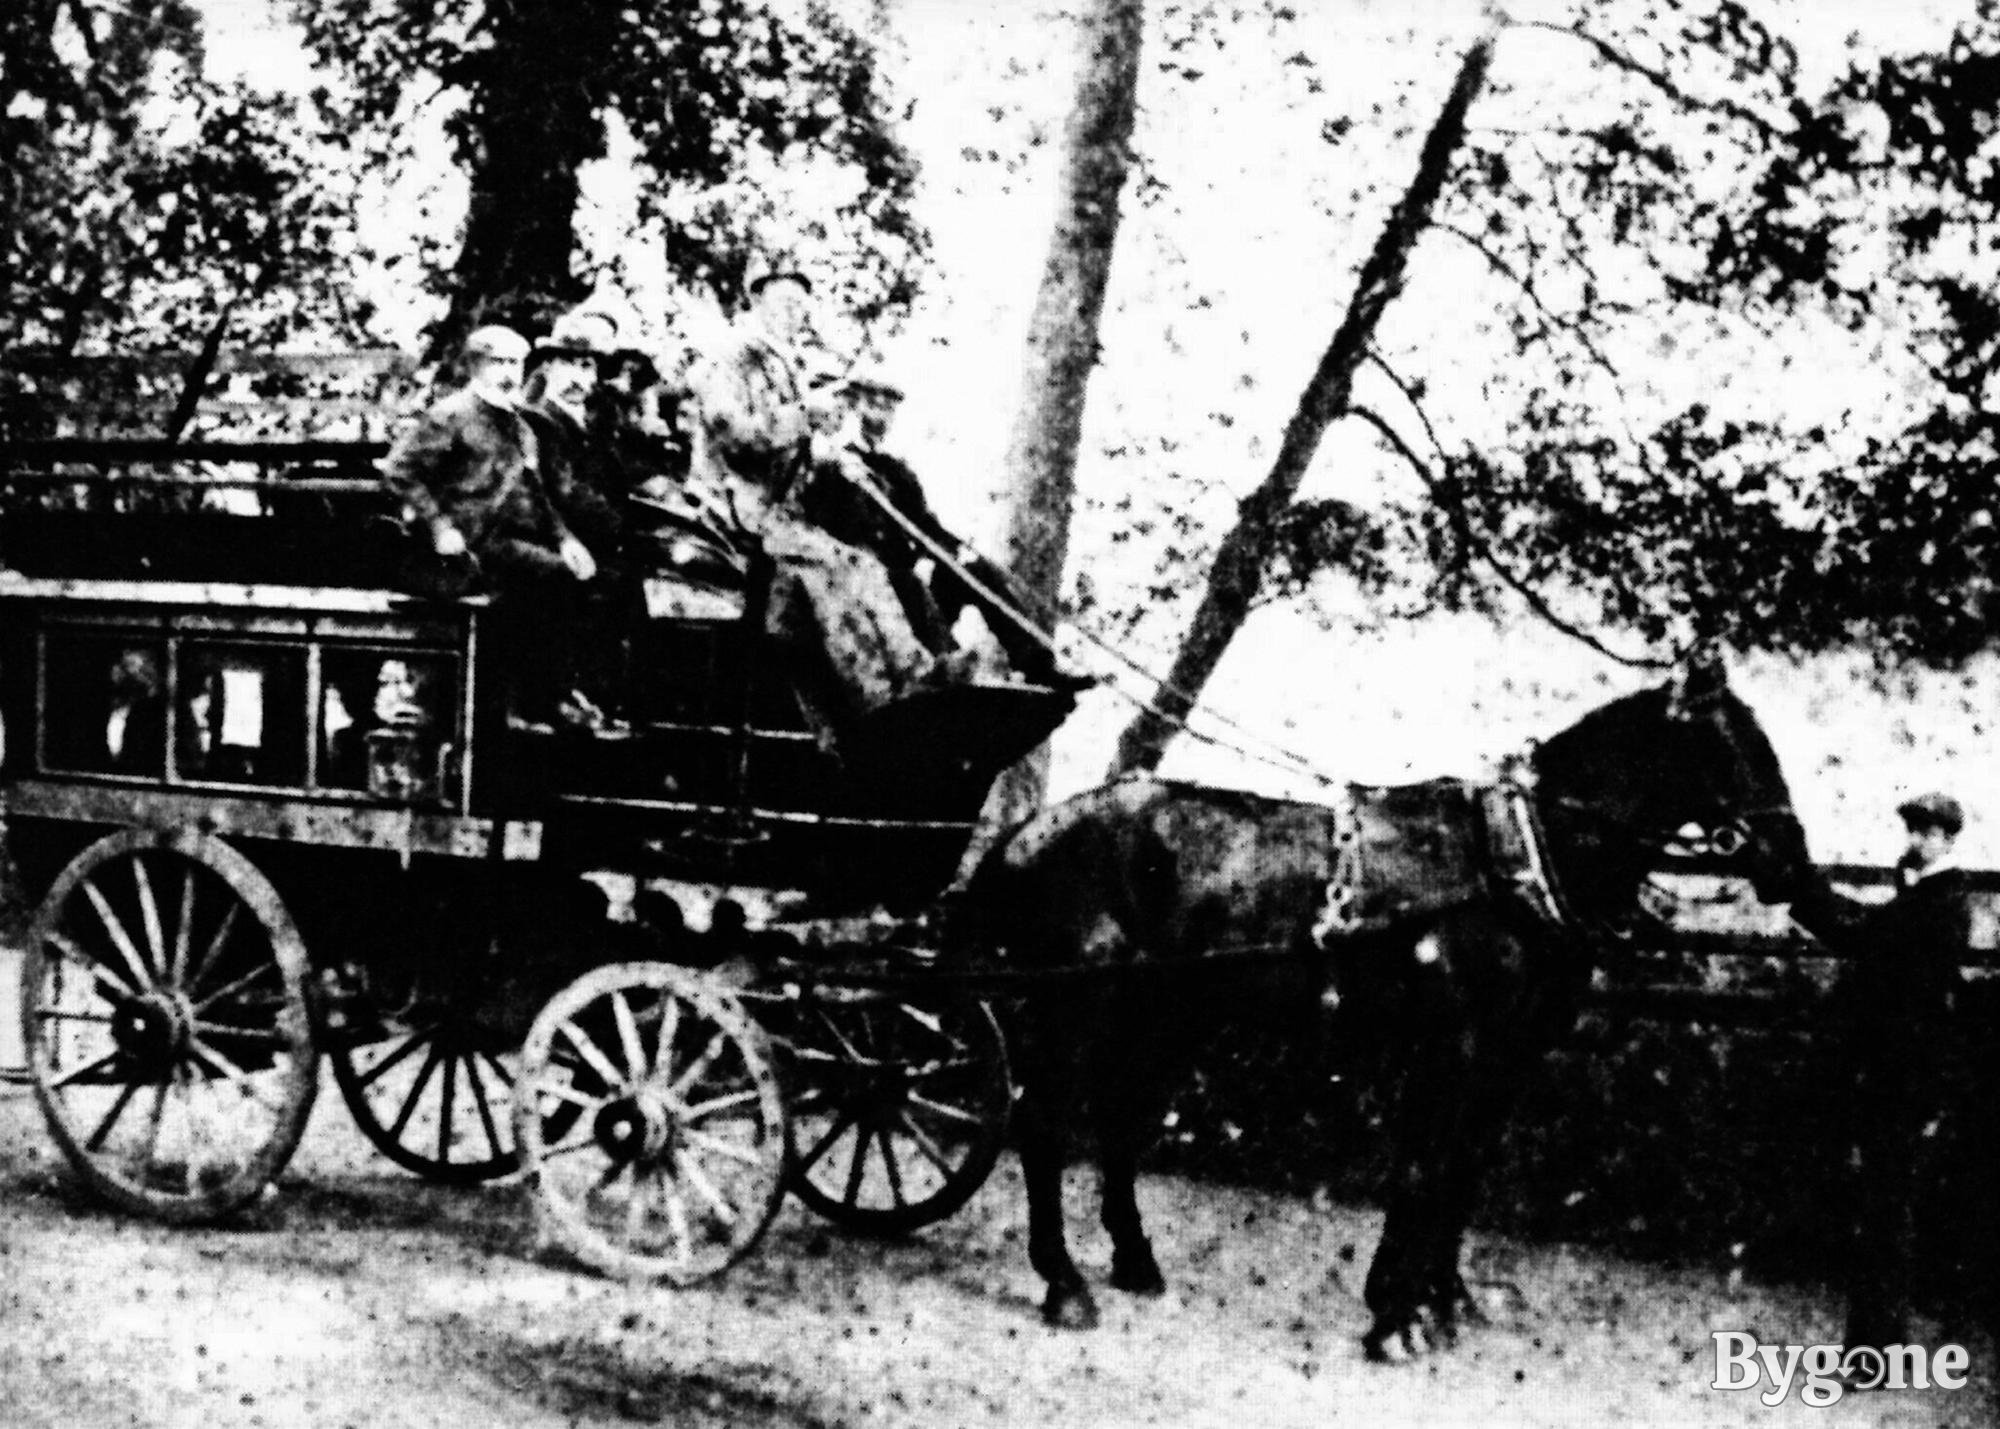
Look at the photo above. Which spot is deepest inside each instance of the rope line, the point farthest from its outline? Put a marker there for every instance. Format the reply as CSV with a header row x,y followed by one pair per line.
x,y
1279,757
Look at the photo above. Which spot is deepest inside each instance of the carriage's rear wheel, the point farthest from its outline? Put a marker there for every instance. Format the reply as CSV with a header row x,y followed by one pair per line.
x,y
163,1012
899,1107
650,1122
435,1098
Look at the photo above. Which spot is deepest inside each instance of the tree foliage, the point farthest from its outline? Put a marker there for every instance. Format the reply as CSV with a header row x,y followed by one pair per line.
x,y
761,128
145,207
1671,245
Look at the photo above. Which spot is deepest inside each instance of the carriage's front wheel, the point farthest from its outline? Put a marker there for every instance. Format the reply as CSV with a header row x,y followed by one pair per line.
x,y
650,1123
164,1016
900,1106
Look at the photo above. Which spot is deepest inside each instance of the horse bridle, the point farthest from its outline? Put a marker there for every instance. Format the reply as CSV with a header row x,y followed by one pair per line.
x,y
1725,839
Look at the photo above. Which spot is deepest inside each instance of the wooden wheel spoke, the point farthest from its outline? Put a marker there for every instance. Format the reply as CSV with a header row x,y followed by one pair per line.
x,y
635,1210
857,1165
477,1086
587,1141
944,1110
76,1074
499,1070
392,1059
696,1175
446,1095
723,1147
231,1073
717,1045
57,1014
714,1106
69,948
415,1094
847,1048
257,1036
564,1093
588,1050
937,1030
215,945
261,971
96,1142
153,1120
677,1222
120,939
819,1148
628,1037
149,919
929,1149
891,1165
177,963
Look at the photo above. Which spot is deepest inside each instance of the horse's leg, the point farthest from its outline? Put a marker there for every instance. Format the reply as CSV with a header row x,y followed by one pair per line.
x,y
1473,1042
1046,1065
1421,1226
1130,1086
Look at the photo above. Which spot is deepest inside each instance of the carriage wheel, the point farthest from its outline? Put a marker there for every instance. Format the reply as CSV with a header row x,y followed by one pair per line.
x,y
434,1098
163,1011
900,1108
650,1122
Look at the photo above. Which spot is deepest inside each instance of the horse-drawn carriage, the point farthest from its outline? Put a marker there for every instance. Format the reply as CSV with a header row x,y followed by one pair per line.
x,y
269,810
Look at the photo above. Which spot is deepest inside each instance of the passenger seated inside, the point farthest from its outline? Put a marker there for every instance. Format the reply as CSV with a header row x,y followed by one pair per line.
x,y
832,602
135,726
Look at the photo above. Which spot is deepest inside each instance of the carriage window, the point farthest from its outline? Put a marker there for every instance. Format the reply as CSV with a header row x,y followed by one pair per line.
x,y
106,708
242,715
386,722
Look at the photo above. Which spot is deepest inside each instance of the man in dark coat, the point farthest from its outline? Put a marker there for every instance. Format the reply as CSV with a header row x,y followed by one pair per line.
x,y
847,497
467,474
1898,999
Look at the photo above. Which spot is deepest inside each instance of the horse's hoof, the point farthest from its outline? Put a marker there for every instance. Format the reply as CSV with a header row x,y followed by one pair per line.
x,y
1069,1308
1399,1340
1137,1274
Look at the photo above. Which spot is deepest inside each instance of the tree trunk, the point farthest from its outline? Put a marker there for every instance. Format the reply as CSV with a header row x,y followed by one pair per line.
x,y
535,117
1238,572
1062,338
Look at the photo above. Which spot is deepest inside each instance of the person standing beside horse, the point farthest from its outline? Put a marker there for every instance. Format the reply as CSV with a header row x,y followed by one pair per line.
x,y
1897,1004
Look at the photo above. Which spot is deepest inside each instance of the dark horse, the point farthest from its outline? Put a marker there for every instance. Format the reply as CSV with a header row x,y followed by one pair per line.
x,y
1458,920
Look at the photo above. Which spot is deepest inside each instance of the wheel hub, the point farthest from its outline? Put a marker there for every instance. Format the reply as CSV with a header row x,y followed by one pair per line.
x,y
152,1031
636,1127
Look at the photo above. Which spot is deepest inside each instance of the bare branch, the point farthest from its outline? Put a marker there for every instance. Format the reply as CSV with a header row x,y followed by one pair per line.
x,y
1409,392
1661,80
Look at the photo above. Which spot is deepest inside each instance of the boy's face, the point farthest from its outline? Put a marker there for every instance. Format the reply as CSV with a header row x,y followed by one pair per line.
x,y
1928,845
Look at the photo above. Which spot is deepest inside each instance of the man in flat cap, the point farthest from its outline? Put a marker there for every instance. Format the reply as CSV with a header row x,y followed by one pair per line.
x,y
869,497
1898,998
467,472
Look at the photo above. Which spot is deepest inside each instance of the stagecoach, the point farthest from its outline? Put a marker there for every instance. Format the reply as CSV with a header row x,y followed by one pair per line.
x,y
268,807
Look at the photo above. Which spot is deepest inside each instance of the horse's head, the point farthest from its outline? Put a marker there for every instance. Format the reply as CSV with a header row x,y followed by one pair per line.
x,y
1635,775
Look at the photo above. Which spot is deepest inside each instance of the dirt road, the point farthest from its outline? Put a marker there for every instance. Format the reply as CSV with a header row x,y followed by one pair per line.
x,y
358,1296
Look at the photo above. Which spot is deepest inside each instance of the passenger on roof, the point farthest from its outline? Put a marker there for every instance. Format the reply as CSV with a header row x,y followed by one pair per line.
x,y
752,449
561,391
869,497
467,472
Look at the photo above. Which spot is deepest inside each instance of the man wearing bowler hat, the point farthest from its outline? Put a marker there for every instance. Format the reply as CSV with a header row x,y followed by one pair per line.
x,y
1898,999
